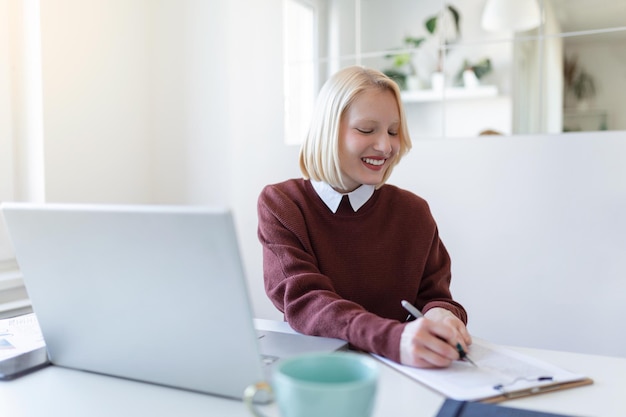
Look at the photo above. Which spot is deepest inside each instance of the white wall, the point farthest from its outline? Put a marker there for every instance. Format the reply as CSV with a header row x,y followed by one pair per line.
x,y
181,102
255,117
176,102
96,87
537,233
190,93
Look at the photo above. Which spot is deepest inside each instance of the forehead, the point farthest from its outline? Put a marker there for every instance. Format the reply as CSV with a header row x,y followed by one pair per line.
x,y
376,103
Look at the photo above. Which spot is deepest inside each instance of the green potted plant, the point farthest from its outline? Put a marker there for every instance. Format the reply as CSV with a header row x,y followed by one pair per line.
x,y
403,69
579,84
471,73
447,34
446,27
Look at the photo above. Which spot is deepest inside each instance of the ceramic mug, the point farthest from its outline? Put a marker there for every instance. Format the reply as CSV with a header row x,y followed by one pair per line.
x,y
338,384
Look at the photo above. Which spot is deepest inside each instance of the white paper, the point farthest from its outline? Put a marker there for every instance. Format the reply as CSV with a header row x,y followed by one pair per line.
x,y
19,335
499,371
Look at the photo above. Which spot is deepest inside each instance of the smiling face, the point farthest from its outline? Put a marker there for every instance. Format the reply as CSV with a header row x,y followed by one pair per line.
x,y
369,138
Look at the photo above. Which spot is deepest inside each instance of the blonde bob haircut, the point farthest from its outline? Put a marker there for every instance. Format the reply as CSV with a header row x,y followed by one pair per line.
x,y
319,154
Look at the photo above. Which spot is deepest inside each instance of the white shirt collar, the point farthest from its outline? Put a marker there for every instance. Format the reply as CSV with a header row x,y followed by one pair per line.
x,y
332,198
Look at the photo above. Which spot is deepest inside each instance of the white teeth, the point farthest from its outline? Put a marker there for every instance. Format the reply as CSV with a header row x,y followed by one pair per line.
x,y
376,162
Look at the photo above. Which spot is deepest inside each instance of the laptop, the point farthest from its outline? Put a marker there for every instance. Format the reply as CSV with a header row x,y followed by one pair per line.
x,y
150,293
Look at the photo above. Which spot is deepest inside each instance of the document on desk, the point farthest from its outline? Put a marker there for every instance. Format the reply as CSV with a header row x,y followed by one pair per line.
x,y
22,346
500,374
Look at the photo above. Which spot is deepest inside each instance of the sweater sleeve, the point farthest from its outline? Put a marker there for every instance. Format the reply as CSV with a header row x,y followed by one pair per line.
x,y
295,285
435,286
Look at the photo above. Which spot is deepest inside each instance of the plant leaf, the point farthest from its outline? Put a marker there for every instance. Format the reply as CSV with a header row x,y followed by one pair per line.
x,y
415,42
431,24
457,18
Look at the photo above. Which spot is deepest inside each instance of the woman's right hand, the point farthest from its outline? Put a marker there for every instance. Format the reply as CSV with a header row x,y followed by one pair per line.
x,y
427,343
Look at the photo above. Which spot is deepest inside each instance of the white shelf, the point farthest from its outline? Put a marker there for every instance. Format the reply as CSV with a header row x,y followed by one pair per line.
x,y
576,112
451,93
585,120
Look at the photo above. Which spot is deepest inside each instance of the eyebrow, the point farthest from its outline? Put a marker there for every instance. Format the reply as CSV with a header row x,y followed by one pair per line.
x,y
362,120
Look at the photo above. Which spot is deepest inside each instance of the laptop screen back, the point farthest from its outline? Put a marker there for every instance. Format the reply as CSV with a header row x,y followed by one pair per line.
x,y
152,293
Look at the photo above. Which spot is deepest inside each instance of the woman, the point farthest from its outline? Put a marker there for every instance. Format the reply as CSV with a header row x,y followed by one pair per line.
x,y
341,249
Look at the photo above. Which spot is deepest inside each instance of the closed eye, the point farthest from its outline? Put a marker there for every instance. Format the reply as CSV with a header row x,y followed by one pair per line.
x,y
365,130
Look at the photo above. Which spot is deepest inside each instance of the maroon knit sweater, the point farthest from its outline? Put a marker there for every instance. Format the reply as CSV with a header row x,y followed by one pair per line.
x,y
344,274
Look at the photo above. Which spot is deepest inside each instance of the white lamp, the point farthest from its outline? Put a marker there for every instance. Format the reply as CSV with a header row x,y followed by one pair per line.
x,y
513,15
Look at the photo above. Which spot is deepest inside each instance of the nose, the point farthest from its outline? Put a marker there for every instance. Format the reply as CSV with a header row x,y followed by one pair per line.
x,y
383,144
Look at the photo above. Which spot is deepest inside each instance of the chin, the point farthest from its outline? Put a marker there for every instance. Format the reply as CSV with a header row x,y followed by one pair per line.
x,y
373,179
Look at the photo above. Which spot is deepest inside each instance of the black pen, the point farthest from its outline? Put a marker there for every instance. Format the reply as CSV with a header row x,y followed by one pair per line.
x,y
413,311
463,354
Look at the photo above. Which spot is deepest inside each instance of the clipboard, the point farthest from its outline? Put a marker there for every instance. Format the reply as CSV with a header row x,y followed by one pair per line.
x,y
558,386
502,374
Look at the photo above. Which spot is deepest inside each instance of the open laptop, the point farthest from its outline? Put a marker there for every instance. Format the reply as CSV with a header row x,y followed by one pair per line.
x,y
150,293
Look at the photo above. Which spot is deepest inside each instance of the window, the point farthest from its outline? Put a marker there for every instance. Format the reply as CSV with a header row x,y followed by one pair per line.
x,y
300,87
6,148
20,122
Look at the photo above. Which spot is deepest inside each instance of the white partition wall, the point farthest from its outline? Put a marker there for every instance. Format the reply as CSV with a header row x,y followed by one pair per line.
x,y
536,228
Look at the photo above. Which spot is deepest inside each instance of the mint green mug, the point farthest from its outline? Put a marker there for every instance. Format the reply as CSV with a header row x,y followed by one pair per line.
x,y
339,384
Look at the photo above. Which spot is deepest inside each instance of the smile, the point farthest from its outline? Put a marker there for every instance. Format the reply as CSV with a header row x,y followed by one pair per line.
x,y
375,162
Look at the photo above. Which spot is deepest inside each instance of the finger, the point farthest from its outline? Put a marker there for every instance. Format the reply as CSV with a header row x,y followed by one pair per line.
x,y
439,342
466,338
459,332
447,334
425,357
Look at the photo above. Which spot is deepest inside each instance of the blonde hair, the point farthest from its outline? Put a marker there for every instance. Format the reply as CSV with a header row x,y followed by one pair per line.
x,y
319,154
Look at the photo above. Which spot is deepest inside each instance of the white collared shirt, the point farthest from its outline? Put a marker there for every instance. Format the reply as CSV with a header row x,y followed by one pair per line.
x,y
332,198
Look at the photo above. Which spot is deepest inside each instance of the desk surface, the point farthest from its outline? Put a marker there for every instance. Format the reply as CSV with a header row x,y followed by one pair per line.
x,y
55,391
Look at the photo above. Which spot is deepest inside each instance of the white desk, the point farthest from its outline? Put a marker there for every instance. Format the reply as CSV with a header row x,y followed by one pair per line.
x,y
54,391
